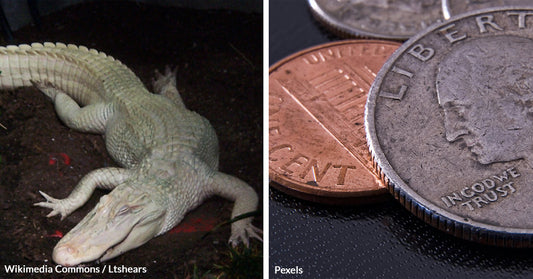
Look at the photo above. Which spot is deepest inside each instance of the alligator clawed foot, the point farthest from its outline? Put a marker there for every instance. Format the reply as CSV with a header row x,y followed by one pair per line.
x,y
162,80
58,206
243,234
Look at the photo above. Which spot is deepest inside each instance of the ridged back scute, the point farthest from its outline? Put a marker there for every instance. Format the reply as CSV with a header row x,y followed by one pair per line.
x,y
87,75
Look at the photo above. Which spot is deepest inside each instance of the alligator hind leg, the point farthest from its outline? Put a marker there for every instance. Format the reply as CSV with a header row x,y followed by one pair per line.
x,y
165,85
106,178
246,201
91,118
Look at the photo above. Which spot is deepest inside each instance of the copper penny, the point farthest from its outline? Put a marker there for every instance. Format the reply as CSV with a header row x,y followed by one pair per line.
x,y
317,142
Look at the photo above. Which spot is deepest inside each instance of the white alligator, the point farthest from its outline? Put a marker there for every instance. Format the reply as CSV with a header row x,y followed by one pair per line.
x,y
168,155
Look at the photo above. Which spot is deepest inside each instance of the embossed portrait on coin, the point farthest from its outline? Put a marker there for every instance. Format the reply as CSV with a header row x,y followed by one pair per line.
x,y
485,88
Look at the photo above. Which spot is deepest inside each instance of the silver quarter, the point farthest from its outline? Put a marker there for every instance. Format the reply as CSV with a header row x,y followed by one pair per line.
x,y
454,7
449,121
385,19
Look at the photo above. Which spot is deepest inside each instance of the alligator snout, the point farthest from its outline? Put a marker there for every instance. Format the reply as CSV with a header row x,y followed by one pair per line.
x,y
65,255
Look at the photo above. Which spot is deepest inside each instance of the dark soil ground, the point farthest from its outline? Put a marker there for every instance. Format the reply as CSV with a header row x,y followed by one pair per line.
x,y
219,55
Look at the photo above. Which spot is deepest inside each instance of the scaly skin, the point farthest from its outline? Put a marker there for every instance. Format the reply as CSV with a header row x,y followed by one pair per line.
x,y
168,154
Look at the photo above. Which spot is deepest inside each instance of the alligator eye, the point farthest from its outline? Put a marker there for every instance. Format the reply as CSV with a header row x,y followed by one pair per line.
x,y
123,210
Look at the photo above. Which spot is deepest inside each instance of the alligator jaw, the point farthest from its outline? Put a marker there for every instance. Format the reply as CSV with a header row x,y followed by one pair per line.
x,y
113,227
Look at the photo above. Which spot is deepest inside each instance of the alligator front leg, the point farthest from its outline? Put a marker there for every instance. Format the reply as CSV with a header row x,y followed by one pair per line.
x,y
106,178
246,201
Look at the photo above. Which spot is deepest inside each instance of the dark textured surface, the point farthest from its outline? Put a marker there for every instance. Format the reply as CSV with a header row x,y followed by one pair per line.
x,y
377,241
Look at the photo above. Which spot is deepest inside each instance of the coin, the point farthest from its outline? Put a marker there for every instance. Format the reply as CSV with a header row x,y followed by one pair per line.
x,y
455,7
317,145
379,19
449,123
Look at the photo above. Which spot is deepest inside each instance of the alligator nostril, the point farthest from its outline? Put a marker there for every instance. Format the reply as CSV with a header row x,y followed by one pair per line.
x,y
63,255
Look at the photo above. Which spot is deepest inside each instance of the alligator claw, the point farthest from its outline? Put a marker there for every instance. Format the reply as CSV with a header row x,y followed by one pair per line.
x,y
243,234
162,80
57,206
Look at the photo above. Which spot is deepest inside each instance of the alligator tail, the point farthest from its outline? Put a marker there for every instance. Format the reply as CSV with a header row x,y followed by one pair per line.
x,y
86,75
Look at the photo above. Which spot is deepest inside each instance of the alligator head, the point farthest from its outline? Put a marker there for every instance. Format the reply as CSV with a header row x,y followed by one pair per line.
x,y
122,220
